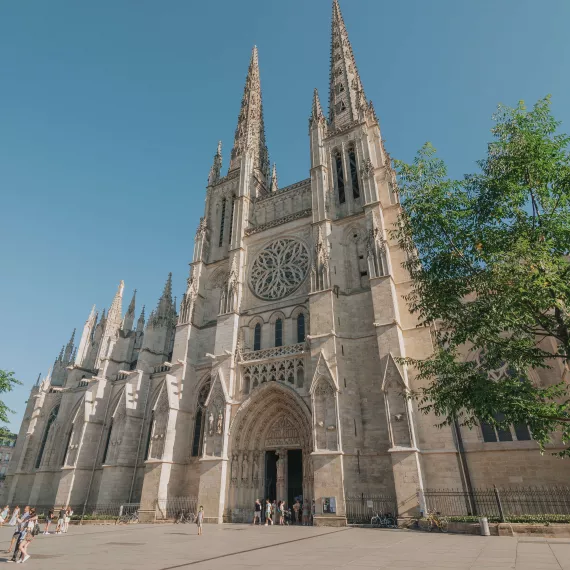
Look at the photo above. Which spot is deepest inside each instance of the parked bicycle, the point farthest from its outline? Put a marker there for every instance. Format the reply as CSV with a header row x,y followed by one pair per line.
x,y
436,521
384,521
183,518
129,518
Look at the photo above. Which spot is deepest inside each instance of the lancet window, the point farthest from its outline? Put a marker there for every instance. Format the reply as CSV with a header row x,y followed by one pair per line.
x,y
339,177
108,441
353,173
257,337
301,328
51,419
67,444
278,332
149,435
232,219
200,420
222,220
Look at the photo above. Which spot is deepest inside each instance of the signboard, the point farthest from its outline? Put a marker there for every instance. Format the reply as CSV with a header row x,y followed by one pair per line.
x,y
329,505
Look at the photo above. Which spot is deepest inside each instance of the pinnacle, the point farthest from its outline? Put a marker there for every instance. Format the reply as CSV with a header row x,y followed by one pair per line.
x,y
317,110
131,308
274,186
216,169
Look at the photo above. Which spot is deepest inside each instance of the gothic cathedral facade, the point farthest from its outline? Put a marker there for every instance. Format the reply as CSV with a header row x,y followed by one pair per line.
x,y
278,374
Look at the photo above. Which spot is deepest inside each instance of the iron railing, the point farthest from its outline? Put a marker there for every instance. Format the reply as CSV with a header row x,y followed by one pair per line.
x,y
360,509
499,503
170,509
99,511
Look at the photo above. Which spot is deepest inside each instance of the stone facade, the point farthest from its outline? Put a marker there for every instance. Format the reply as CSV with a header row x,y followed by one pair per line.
x,y
278,374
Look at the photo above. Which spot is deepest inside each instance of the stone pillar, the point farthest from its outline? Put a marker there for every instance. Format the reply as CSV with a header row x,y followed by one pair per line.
x,y
282,478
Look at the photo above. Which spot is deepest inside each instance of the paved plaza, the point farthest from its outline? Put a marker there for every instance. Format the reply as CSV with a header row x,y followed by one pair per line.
x,y
169,547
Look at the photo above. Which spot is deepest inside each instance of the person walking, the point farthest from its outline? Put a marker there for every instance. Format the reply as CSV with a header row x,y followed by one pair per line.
x,y
68,515
18,534
61,520
15,515
49,518
200,520
305,513
4,515
257,513
28,534
296,507
281,512
268,512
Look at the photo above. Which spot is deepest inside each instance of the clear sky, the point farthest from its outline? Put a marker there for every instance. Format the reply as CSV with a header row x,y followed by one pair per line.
x,y
110,113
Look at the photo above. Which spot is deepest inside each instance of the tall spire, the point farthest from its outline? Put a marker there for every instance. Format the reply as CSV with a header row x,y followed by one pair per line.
x,y
114,317
274,186
217,166
129,319
69,349
250,131
140,322
346,94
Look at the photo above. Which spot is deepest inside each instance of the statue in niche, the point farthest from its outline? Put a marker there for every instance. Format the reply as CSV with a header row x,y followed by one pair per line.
x,y
280,467
255,466
233,473
211,424
244,467
220,423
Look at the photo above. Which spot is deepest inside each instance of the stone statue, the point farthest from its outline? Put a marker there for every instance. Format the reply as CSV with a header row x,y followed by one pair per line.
x,y
280,467
220,422
244,466
234,466
211,423
255,467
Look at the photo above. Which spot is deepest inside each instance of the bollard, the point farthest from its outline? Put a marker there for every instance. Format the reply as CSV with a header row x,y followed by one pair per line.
x,y
484,524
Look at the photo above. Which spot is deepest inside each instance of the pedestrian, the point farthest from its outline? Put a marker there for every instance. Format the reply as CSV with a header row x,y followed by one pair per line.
x,y
257,512
296,507
281,512
68,515
200,520
61,520
305,513
28,534
17,536
15,515
268,512
4,515
49,518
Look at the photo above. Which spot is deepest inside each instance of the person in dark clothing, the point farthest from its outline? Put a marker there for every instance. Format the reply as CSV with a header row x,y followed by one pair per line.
x,y
257,512
21,531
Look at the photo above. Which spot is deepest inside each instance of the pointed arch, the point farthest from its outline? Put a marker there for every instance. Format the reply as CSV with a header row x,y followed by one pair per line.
x,y
202,394
50,421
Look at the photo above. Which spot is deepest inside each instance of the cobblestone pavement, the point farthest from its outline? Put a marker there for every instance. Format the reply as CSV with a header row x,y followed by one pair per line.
x,y
173,547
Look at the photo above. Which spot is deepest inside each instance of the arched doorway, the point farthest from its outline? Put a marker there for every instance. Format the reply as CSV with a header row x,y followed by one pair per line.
x,y
270,446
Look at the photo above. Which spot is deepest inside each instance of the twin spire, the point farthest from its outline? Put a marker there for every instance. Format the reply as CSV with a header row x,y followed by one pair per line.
x,y
347,103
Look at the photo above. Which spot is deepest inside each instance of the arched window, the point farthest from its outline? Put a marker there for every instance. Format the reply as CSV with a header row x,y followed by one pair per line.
x,y
51,419
232,219
149,435
301,328
222,219
257,337
278,332
246,384
339,177
353,173
200,420
107,441
66,448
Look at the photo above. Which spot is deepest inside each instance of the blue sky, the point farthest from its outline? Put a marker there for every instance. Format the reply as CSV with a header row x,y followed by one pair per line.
x,y
110,113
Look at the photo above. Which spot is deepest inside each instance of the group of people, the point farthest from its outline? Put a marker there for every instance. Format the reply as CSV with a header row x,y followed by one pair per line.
x,y
28,527
276,512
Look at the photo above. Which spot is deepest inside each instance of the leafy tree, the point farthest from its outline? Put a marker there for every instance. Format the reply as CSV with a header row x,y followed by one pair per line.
x,y
490,267
7,383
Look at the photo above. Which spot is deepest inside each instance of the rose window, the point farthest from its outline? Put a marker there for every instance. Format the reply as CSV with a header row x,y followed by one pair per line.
x,y
279,269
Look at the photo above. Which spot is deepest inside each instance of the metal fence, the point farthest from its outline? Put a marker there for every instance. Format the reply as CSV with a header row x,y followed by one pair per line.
x,y
360,509
100,511
499,503
170,509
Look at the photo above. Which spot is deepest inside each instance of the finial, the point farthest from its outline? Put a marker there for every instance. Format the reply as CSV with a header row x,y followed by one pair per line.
x,y
274,186
216,169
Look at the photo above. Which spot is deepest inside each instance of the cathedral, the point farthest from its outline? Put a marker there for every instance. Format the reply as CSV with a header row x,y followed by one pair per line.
x,y
277,375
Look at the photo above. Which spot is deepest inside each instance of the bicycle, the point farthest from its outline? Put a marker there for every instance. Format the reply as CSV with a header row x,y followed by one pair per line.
x,y
435,520
129,518
383,521
184,518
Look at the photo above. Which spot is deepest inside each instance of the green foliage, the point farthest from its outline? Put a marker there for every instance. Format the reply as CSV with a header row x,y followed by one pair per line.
x,y
7,383
529,519
489,260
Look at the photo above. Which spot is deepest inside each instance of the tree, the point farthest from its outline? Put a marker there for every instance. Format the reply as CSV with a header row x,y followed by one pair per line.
x,y
490,267
7,383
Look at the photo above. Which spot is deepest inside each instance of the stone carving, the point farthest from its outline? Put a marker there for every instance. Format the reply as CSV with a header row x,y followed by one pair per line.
x,y
273,352
290,370
279,269
282,432
220,423
262,227
211,424
244,466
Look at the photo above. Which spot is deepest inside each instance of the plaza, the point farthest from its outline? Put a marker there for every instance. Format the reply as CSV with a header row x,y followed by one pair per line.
x,y
237,547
